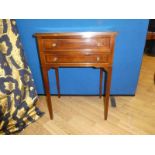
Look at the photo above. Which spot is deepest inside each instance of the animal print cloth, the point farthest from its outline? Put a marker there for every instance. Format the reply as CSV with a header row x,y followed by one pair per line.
x,y
17,92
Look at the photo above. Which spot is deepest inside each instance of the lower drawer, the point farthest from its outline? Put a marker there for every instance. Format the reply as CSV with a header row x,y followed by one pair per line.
x,y
93,58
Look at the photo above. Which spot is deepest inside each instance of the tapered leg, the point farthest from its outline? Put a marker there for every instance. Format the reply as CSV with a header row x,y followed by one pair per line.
x,y
107,91
47,91
101,79
57,81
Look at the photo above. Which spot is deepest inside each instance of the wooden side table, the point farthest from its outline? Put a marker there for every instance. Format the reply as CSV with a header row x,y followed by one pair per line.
x,y
78,49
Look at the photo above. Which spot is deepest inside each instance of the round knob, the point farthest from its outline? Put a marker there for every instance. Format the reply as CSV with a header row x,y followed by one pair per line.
x,y
55,59
54,44
99,44
98,58
87,53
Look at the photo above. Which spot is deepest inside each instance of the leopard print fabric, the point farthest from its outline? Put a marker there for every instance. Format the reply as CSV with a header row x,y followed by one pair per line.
x,y
18,95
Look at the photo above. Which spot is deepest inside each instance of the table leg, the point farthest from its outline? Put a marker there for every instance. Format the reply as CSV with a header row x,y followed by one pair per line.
x,y
101,79
107,91
57,81
47,91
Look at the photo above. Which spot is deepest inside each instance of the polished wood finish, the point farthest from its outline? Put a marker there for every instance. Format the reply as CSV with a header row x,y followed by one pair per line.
x,y
69,44
83,49
107,91
150,36
101,79
79,58
74,34
57,81
47,91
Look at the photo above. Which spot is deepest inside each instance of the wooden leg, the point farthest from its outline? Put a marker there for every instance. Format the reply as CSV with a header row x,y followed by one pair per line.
x,y
57,81
101,79
107,91
47,91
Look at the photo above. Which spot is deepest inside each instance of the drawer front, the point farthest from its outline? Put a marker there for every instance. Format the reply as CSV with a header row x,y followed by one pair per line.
x,y
68,44
53,58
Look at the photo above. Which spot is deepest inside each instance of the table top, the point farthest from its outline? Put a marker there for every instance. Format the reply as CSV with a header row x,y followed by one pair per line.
x,y
83,34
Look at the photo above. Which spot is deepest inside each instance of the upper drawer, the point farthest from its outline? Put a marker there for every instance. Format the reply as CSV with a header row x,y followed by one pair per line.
x,y
70,44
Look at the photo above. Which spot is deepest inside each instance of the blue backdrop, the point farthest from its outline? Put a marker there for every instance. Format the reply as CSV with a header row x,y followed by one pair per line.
x,y
129,48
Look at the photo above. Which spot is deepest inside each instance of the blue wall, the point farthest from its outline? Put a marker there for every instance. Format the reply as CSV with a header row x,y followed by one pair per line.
x,y
127,58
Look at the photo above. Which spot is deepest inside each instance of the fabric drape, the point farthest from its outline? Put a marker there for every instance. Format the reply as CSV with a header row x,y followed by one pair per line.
x,y
18,95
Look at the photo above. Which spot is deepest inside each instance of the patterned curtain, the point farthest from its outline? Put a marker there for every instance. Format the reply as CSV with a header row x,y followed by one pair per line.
x,y
17,92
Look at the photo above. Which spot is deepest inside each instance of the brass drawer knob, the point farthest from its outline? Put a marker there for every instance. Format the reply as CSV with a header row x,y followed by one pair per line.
x,y
99,44
54,44
98,58
55,59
